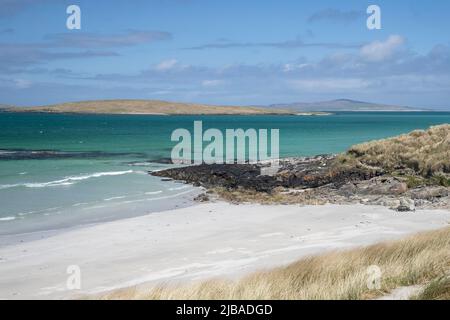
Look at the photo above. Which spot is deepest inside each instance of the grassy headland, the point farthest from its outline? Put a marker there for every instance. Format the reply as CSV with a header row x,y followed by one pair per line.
x,y
419,154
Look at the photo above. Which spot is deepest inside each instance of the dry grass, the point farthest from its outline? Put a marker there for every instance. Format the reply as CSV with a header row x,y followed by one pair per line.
x,y
426,153
340,275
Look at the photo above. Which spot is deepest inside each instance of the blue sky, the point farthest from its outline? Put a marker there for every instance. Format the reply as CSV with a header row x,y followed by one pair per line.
x,y
225,52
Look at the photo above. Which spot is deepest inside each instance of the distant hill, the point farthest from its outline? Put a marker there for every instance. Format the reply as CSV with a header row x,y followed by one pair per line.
x,y
151,107
340,105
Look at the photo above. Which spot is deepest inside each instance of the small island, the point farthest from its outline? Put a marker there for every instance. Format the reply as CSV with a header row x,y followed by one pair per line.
x,y
147,107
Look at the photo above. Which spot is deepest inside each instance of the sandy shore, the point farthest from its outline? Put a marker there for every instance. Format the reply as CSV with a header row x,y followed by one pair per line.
x,y
198,242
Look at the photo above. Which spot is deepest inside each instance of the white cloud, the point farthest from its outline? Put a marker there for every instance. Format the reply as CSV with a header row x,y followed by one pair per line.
x,y
288,67
166,65
381,50
211,83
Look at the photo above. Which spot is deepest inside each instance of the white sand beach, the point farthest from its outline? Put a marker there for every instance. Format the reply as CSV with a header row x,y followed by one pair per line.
x,y
199,242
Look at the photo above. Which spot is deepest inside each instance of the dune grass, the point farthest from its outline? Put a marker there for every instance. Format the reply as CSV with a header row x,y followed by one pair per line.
x,y
438,289
419,259
422,152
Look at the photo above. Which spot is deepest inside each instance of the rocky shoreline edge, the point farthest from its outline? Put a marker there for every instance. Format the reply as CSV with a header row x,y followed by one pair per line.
x,y
311,180
403,173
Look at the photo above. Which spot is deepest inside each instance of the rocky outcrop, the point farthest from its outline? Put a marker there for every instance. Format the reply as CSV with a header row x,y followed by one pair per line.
x,y
229,176
315,180
292,173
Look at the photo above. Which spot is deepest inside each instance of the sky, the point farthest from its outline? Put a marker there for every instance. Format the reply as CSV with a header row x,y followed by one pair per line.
x,y
229,52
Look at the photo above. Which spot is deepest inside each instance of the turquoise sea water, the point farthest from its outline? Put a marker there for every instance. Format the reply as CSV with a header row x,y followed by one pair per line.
x,y
60,170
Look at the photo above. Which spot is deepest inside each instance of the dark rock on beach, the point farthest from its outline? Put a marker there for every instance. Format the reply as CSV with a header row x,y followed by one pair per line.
x,y
162,161
220,175
292,173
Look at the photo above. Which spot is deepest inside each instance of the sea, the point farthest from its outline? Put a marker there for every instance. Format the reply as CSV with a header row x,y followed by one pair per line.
x,y
66,170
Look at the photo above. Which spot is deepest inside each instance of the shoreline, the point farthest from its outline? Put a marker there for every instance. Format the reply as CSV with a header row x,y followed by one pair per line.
x,y
198,242
182,200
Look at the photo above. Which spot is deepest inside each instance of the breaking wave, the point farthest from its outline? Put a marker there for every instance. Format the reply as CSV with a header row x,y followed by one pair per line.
x,y
64,182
